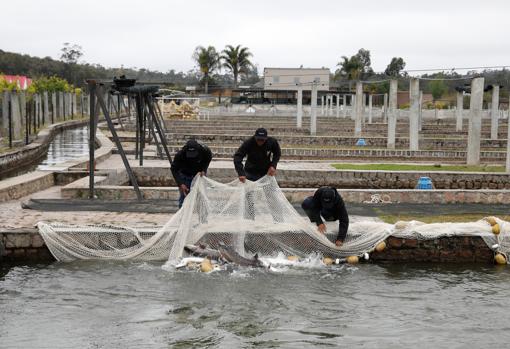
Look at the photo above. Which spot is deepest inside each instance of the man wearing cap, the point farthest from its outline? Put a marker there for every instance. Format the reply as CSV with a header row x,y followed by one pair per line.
x,y
328,204
193,158
263,155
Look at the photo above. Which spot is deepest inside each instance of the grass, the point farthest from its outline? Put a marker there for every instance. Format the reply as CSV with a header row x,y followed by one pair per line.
x,y
418,168
466,217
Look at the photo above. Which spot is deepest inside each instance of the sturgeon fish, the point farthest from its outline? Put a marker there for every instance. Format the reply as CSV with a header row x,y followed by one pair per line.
x,y
225,253
201,250
230,255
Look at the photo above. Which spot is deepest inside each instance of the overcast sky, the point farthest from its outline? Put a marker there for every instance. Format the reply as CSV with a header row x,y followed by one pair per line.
x,y
162,35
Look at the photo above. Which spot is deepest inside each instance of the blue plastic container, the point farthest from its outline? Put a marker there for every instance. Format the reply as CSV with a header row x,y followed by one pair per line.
x,y
361,141
424,183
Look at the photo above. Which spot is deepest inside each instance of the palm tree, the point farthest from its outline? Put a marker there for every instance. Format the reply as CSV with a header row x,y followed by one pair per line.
x,y
350,68
237,60
208,60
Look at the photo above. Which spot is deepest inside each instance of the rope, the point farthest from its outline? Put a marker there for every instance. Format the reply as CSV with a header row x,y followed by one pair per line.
x,y
378,199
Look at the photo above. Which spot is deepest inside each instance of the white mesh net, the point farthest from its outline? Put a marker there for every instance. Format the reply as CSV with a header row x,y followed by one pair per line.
x,y
254,217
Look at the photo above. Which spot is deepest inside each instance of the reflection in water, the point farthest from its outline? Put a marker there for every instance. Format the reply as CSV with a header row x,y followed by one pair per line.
x,y
140,305
68,145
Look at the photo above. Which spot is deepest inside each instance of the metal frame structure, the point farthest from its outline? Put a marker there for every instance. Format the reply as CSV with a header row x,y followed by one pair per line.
x,y
147,120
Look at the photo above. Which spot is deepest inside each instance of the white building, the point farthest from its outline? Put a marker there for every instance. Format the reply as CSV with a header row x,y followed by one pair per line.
x,y
292,78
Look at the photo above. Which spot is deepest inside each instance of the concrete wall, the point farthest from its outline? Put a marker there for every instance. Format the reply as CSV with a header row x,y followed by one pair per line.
x,y
29,246
444,156
79,189
23,247
17,159
161,177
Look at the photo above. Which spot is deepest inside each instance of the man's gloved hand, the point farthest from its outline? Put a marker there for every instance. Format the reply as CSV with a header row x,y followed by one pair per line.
x,y
183,188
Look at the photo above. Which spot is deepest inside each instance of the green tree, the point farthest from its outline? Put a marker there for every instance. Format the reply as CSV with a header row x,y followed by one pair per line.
x,y
356,67
7,86
350,68
251,77
364,58
237,60
208,61
71,53
437,88
51,84
396,65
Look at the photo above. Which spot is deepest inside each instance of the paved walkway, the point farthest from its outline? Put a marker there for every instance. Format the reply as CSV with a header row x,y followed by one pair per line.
x,y
115,161
13,216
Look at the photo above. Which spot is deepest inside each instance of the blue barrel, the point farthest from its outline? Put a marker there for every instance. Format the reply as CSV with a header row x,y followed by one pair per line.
x,y
361,141
424,183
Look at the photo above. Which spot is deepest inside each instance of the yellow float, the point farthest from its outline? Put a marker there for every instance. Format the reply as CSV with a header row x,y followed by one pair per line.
x,y
491,220
328,261
380,246
352,259
500,258
206,266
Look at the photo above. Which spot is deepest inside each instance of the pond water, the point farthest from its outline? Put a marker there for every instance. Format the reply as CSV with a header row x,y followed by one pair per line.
x,y
68,145
141,305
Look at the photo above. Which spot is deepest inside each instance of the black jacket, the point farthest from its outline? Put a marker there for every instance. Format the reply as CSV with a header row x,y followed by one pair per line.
x,y
338,211
190,166
260,158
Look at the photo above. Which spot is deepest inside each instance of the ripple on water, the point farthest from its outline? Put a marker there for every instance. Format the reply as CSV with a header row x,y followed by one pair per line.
x,y
128,304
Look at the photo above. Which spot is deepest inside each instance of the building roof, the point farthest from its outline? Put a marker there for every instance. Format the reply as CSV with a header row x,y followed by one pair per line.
x,y
23,81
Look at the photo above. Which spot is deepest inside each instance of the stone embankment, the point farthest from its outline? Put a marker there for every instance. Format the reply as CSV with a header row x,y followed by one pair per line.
x,y
18,159
29,246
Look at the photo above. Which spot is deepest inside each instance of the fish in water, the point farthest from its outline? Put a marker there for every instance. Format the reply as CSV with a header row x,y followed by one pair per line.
x,y
230,255
202,250
224,253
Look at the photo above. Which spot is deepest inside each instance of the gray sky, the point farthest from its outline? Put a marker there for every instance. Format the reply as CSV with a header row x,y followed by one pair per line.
x,y
162,35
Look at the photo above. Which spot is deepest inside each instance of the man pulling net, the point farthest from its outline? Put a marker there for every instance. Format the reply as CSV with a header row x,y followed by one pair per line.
x,y
328,204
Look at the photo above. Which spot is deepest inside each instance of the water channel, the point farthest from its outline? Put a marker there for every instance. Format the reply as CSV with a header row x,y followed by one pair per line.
x,y
140,305
68,145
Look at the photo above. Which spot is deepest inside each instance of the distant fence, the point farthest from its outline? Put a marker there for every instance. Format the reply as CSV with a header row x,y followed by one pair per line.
x,y
23,114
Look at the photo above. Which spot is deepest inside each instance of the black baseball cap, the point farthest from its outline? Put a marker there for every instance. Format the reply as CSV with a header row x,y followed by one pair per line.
x,y
261,134
328,198
192,148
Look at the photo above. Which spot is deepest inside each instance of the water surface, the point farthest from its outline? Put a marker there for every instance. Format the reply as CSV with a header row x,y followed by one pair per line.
x,y
68,145
140,305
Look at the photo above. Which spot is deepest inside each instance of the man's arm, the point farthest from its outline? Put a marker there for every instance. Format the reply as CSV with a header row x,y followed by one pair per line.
x,y
207,158
238,158
176,167
277,153
316,213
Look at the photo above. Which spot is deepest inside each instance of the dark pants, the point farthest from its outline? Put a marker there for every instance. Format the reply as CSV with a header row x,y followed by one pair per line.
x,y
187,181
311,211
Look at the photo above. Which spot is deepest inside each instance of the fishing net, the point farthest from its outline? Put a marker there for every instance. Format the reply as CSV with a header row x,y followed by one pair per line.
x,y
252,217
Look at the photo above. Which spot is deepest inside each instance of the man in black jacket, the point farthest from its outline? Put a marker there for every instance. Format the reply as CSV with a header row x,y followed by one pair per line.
x,y
328,203
263,155
193,158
